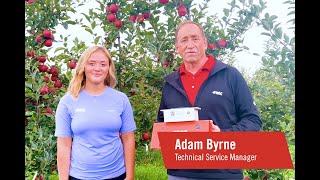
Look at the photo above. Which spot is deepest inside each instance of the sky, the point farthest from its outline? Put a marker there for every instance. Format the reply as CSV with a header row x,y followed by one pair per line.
x,y
252,38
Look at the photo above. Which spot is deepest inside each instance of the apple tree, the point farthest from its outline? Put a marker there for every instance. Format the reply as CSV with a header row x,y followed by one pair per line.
x,y
140,36
273,86
45,82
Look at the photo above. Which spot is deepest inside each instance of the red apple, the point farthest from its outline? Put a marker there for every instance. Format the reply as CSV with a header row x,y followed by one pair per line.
x,y
39,38
46,78
43,68
222,43
72,64
114,8
132,18
132,92
111,17
171,55
118,23
35,103
41,59
107,9
54,78
47,110
28,100
182,11
30,1
52,37
163,1
58,84
140,18
52,89
147,15
246,178
166,63
44,90
30,53
53,167
47,34
212,46
48,42
145,136
53,70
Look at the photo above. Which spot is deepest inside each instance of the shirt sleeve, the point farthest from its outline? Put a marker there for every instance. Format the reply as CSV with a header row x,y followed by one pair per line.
x,y
249,118
128,123
63,119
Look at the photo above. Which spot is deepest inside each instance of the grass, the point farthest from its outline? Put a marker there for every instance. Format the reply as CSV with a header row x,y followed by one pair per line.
x,y
143,172
149,165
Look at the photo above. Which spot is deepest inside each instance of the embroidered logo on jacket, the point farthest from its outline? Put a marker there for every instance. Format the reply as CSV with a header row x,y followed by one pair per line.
x,y
217,93
80,110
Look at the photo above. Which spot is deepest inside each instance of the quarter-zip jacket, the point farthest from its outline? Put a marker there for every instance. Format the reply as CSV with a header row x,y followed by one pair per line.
x,y
225,98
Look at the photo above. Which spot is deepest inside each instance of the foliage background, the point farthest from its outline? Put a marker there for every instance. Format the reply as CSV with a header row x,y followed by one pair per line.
x,y
141,51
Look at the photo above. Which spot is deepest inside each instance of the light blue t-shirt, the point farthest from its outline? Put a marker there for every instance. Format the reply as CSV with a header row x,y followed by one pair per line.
x,y
94,123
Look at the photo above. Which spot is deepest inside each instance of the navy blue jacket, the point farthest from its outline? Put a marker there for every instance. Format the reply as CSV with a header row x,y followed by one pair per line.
x,y
225,98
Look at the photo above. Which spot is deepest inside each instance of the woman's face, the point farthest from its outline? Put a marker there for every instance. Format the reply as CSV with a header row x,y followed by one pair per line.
x,y
96,68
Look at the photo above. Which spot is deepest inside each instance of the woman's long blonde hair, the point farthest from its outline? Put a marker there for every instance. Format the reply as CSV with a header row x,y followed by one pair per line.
x,y
79,79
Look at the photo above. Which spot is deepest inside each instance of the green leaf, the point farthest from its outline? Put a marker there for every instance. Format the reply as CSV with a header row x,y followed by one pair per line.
x,y
262,4
233,3
70,22
292,12
266,34
292,41
226,12
274,38
264,60
93,24
65,25
96,40
286,38
293,21
86,16
89,30
71,9
239,50
76,41
59,49
273,17
278,33
266,25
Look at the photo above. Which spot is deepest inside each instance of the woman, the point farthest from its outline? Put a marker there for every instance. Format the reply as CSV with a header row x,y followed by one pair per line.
x,y
89,118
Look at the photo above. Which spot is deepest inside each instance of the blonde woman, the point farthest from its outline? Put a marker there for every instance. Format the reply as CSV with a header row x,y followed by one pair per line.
x,y
89,118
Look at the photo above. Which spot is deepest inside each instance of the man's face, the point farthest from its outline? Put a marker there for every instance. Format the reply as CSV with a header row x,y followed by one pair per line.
x,y
190,43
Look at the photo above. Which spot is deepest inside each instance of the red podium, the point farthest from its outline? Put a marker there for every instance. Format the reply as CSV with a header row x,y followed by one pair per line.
x,y
186,126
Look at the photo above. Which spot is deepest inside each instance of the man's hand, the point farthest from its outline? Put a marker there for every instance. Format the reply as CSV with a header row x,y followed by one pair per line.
x,y
215,128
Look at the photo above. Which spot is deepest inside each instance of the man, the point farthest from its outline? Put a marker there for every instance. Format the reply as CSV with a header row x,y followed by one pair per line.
x,y
217,88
